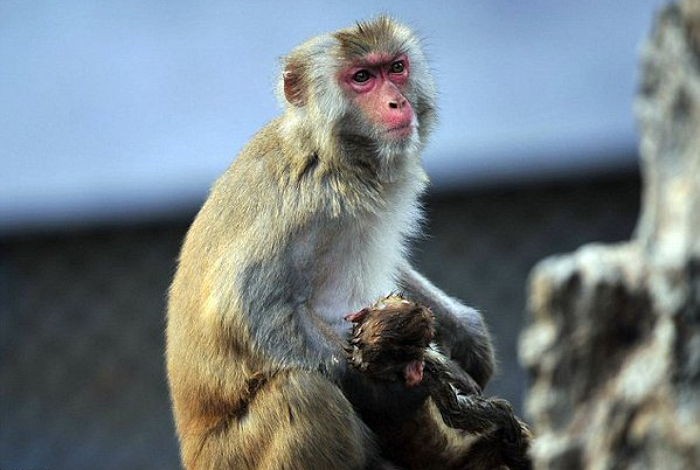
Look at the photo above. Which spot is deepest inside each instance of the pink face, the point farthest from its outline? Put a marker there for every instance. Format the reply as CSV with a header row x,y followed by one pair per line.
x,y
376,84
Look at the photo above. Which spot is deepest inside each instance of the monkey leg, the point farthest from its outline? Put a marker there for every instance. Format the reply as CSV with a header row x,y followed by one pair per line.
x,y
297,420
423,441
503,440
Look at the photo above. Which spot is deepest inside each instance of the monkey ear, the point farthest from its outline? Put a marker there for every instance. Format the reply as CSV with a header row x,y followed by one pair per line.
x,y
294,86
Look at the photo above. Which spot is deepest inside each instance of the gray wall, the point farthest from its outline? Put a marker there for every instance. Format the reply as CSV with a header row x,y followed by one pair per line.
x,y
119,110
82,381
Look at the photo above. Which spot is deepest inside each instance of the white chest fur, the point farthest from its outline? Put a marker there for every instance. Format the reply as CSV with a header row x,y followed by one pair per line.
x,y
362,261
356,272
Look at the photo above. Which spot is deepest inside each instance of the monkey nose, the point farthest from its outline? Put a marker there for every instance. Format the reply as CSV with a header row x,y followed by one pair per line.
x,y
397,103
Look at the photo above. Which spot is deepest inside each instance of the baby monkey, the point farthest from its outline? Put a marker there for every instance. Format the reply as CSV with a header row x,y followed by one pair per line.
x,y
393,341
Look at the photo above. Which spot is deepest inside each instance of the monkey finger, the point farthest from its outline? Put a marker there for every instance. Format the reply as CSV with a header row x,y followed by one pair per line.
x,y
357,317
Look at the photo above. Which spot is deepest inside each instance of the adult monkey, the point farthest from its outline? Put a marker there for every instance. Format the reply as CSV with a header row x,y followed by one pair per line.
x,y
310,223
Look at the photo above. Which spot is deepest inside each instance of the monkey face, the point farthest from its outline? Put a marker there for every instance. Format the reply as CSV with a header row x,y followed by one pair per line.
x,y
366,90
376,86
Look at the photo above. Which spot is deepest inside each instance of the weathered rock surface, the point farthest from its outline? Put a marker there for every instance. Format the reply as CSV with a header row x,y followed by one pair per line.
x,y
613,347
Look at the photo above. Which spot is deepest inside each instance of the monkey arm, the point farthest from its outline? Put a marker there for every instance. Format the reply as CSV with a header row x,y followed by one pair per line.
x,y
272,301
460,330
297,338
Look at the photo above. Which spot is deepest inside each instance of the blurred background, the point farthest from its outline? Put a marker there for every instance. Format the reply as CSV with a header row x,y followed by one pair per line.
x,y
115,117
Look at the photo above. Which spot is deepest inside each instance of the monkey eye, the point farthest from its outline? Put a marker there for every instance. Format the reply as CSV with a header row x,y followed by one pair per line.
x,y
361,76
397,67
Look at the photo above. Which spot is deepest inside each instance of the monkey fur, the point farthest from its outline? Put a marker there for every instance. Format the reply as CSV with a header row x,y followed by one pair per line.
x,y
396,332
312,221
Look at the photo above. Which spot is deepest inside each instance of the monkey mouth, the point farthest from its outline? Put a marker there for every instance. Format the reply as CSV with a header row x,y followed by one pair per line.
x,y
401,131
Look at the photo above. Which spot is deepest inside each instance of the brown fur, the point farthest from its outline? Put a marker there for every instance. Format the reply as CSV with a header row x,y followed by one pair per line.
x,y
315,209
234,408
390,334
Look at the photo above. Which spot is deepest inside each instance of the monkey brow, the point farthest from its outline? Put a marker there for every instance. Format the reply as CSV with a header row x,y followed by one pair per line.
x,y
374,59
353,45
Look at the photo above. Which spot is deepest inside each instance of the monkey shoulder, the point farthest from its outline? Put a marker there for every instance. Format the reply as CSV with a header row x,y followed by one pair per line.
x,y
255,162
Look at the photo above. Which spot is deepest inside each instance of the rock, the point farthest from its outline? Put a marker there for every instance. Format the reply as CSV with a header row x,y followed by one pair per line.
x,y
613,347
